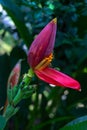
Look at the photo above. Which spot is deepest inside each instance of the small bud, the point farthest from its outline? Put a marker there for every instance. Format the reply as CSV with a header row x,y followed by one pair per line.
x,y
14,76
12,81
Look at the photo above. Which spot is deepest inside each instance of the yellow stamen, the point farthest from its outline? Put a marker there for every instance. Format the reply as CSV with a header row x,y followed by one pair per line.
x,y
54,20
44,63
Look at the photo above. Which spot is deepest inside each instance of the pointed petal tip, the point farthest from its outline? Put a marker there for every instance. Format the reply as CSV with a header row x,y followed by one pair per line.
x,y
78,87
54,20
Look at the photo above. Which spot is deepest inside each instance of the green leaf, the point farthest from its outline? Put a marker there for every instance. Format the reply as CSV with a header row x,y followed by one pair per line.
x,y
10,111
2,122
78,124
15,13
11,93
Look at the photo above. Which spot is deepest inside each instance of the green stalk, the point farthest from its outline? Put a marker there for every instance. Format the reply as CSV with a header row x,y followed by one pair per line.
x,y
24,91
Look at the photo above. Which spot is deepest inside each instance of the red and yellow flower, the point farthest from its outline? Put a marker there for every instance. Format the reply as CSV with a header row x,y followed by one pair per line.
x,y
40,56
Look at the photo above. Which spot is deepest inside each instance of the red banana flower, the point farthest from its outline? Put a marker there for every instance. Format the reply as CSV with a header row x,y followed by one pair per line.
x,y
40,55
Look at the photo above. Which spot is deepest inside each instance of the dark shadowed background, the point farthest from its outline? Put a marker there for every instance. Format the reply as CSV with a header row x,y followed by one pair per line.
x,y
50,108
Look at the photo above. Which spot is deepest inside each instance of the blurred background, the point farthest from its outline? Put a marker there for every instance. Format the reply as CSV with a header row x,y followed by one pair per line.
x,y
20,21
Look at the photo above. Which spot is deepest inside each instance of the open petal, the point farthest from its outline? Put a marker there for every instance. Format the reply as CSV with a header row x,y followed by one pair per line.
x,y
57,78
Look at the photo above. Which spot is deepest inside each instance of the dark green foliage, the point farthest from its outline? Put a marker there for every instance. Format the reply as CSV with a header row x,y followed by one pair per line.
x,y
50,108
2,122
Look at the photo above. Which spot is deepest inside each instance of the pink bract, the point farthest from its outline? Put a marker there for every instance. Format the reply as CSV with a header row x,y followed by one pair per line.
x,y
43,44
57,78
